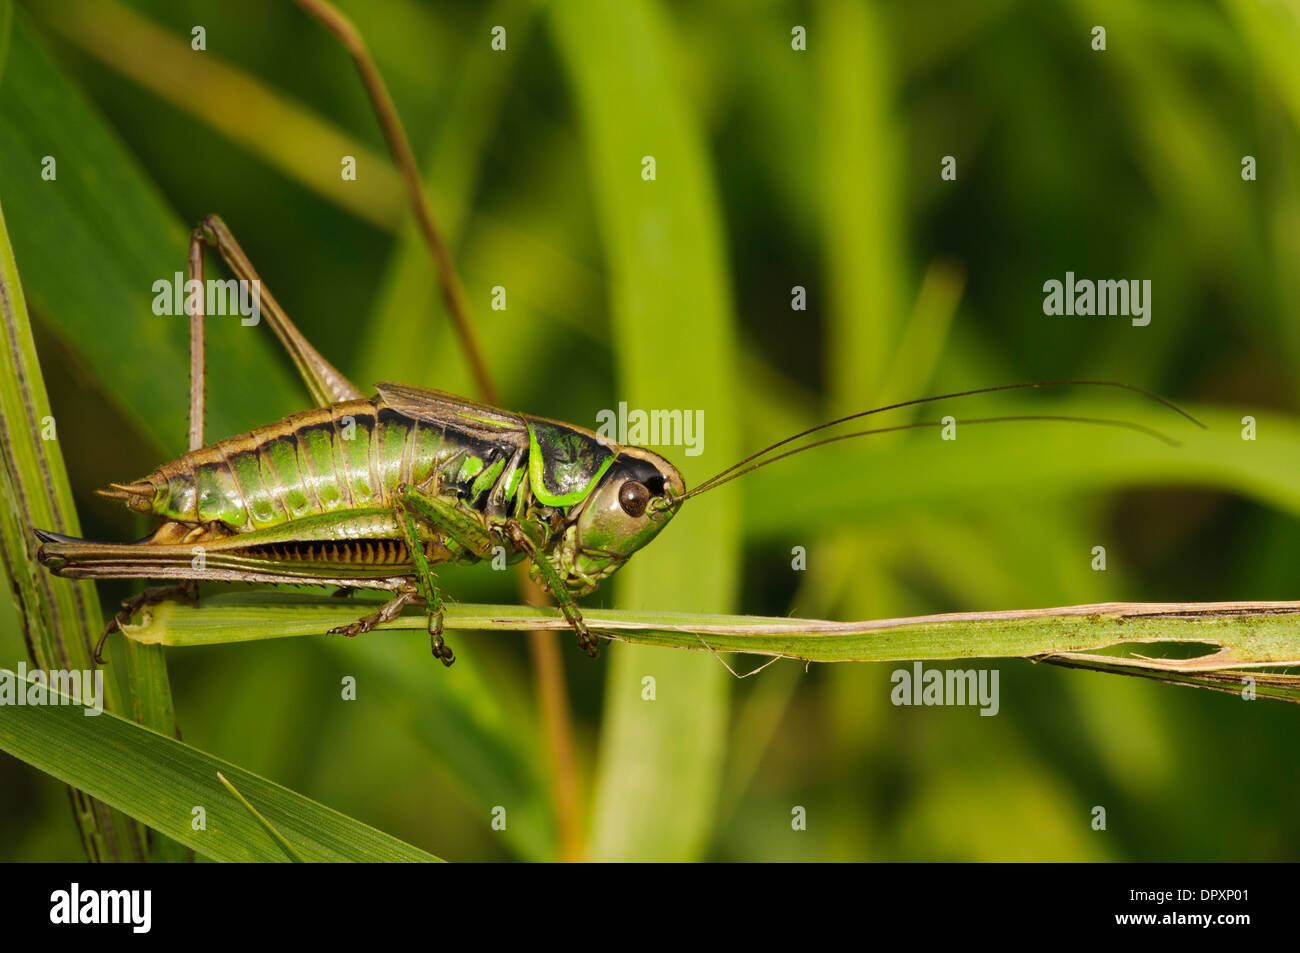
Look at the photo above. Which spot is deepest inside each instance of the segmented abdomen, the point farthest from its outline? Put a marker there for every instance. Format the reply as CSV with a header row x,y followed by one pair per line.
x,y
349,456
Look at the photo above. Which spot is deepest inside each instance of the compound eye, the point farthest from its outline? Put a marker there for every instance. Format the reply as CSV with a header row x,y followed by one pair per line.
x,y
633,497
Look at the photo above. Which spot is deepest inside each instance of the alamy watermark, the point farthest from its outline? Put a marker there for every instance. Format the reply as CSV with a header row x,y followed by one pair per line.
x,y
1083,296
663,428
937,686
59,687
214,296
133,908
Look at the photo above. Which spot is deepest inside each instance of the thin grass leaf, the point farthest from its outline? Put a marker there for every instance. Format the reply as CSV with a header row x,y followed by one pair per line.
x,y
149,686
161,782
862,208
659,764
1239,637
59,618
150,694
29,465
276,836
409,297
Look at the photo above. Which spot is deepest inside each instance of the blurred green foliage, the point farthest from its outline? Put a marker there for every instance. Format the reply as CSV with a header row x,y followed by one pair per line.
x,y
775,168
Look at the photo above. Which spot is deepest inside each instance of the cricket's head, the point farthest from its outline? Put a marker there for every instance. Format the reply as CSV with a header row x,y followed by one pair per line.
x,y
629,506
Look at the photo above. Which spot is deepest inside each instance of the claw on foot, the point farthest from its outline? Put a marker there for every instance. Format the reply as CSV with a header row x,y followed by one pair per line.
x,y
353,629
441,650
389,611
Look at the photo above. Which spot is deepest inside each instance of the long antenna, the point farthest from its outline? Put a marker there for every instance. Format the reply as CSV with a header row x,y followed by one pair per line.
x,y
732,473
926,400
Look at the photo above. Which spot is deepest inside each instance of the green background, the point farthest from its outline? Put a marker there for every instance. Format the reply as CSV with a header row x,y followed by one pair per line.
x,y
775,168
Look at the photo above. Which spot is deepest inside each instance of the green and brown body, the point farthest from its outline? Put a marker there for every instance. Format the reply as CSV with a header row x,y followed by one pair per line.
x,y
314,498
373,492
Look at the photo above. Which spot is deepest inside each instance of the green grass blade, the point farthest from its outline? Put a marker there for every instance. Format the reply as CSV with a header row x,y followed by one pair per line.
x,y
1238,636
161,781
147,671
149,689
660,762
861,173
59,618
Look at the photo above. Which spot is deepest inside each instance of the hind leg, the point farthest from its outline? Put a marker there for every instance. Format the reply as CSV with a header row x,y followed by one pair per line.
x,y
322,379
187,591
326,384
389,611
